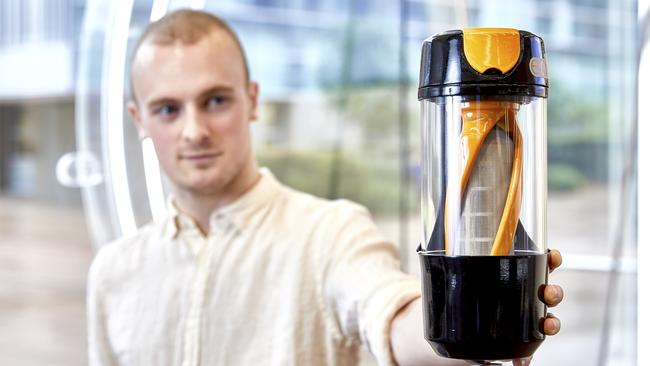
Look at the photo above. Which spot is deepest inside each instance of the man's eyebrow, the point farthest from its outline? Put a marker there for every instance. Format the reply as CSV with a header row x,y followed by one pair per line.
x,y
216,90
160,101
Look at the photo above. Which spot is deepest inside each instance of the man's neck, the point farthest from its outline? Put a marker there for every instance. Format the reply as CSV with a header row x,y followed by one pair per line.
x,y
200,205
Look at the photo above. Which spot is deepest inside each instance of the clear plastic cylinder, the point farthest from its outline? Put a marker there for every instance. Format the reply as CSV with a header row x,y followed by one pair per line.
x,y
483,175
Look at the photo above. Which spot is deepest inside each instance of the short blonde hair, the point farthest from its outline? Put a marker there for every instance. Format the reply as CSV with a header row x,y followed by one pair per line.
x,y
186,26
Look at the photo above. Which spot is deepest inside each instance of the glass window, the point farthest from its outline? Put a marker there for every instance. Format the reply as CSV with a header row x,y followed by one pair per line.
x,y
339,118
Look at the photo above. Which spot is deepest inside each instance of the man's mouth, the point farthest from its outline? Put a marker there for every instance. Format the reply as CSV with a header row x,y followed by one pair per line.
x,y
199,157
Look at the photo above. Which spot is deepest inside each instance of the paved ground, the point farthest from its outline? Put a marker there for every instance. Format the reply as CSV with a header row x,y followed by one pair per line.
x,y
45,254
44,258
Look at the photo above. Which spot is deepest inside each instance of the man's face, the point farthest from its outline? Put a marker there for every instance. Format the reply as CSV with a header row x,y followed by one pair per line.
x,y
195,103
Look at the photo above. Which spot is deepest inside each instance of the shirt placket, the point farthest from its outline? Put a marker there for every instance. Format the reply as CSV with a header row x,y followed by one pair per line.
x,y
192,335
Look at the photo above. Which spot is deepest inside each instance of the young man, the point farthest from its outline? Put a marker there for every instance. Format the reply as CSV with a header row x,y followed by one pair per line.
x,y
244,270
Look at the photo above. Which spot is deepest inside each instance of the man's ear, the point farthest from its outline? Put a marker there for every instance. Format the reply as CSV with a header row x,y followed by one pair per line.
x,y
253,93
137,119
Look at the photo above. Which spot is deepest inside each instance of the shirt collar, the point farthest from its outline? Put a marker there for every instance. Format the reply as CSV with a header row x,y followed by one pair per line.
x,y
236,213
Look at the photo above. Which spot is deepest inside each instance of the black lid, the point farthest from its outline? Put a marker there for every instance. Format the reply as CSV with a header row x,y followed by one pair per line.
x,y
445,69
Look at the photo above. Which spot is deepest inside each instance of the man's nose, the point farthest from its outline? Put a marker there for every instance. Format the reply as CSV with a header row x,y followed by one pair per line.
x,y
195,129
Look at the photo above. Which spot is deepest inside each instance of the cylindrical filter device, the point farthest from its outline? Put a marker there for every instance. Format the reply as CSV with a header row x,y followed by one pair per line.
x,y
483,251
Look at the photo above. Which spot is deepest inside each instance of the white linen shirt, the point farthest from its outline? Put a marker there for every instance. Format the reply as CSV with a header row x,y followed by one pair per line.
x,y
283,278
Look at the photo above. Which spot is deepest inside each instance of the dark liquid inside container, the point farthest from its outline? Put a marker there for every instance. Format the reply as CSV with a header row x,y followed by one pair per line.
x,y
483,308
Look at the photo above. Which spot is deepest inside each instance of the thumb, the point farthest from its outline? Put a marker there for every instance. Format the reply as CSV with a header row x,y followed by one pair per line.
x,y
522,361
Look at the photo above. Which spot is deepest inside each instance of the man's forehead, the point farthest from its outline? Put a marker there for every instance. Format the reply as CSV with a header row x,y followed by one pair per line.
x,y
145,54
150,52
151,47
157,66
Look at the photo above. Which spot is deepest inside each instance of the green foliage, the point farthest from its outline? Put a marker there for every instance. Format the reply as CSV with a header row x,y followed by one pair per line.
x,y
563,177
573,118
375,110
375,184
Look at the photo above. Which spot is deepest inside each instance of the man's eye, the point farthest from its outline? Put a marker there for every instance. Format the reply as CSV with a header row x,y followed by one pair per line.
x,y
216,101
166,110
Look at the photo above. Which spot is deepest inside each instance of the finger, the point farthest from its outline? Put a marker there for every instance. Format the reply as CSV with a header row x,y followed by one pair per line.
x,y
554,259
552,325
522,361
553,295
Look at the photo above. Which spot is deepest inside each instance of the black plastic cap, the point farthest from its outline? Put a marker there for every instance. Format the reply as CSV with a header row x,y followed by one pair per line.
x,y
445,71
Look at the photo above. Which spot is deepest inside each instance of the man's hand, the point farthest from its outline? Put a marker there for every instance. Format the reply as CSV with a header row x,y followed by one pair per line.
x,y
553,295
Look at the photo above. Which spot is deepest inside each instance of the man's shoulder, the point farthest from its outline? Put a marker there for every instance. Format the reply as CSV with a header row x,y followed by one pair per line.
x,y
307,204
294,201
114,257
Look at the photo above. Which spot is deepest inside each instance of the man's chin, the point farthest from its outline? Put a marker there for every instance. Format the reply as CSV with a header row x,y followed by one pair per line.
x,y
202,186
214,188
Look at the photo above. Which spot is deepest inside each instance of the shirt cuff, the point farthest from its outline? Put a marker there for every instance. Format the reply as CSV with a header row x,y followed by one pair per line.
x,y
381,312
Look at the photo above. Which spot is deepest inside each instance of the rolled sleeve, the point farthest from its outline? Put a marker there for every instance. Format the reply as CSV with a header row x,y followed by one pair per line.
x,y
364,284
380,313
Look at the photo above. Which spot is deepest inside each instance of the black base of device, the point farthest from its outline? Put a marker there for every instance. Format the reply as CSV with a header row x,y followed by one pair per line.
x,y
483,308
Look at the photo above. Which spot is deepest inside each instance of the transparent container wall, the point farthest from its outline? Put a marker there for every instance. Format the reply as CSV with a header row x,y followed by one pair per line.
x,y
484,175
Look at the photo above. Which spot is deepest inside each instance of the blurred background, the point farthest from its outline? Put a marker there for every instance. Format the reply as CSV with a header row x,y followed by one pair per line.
x,y
339,118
